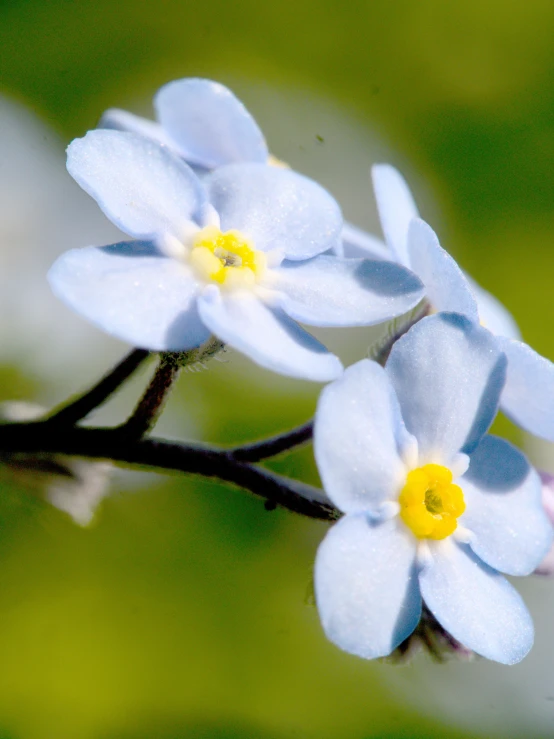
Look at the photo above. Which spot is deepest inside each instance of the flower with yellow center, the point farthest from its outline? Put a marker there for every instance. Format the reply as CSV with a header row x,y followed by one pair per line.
x,y
239,254
435,509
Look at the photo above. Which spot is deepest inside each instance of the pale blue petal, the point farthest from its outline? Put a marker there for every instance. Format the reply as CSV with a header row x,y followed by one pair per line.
x,y
268,337
448,374
504,510
476,604
330,291
366,587
132,293
277,208
337,250
209,124
143,188
528,396
492,314
121,120
359,439
358,243
445,284
396,208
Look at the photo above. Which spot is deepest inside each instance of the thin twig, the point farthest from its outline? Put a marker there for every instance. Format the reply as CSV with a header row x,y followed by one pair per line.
x,y
151,404
75,410
258,450
164,456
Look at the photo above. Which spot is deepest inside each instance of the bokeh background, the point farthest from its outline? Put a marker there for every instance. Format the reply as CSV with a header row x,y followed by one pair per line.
x,y
186,609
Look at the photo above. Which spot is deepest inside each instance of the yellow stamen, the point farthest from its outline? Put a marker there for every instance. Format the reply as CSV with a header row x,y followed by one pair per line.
x,y
274,162
227,258
429,503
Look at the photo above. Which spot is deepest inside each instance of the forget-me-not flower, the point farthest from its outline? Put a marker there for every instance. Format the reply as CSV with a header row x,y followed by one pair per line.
x,y
238,255
528,395
435,508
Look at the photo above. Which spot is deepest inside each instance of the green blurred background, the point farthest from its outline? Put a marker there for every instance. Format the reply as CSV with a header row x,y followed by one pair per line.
x,y
185,610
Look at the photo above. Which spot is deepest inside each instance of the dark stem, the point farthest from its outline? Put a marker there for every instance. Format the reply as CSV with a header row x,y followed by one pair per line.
x,y
151,404
164,456
265,448
78,409
434,638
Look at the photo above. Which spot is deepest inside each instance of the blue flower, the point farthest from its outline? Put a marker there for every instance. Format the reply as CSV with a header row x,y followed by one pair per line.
x,y
528,396
435,508
238,255
200,120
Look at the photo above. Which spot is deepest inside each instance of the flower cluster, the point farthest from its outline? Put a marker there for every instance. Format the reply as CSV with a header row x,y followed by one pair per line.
x,y
228,242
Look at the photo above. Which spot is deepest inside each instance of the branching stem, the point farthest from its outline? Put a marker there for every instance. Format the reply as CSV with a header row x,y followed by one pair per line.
x,y
265,448
76,410
151,404
208,461
125,445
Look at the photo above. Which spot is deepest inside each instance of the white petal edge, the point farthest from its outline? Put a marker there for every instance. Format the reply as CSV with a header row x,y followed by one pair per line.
x,y
359,244
366,587
446,287
330,291
528,395
122,120
396,208
267,336
143,188
360,439
492,314
475,604
504,510
132,293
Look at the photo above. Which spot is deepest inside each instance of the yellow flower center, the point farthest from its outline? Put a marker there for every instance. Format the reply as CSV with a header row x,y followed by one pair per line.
x,y
274,162
430,503
227,258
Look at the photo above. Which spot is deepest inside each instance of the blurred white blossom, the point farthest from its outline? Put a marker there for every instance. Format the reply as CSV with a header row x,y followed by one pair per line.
x,y
42,214
74,485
